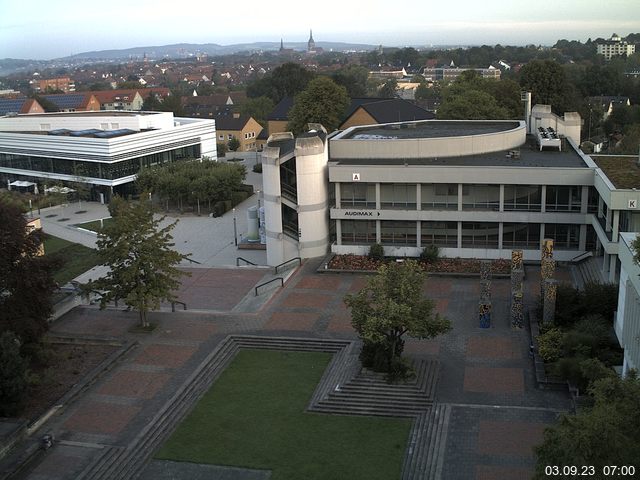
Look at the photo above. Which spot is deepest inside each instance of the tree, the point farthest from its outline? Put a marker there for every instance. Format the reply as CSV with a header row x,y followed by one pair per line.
x,y
152,103
548,84
26,280
388,90
259,108
285,81
354,79
606,434
322,102
141,261
234,144
13,375
471,105
389,306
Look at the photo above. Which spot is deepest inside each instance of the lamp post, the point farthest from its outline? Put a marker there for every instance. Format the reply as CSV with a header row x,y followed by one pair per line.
x,y
235,229
258,192
590,111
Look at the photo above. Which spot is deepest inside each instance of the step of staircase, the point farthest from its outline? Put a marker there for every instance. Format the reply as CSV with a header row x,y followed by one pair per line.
x,y
425,456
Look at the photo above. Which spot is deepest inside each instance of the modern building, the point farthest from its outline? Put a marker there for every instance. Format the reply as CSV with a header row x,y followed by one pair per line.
x,y
450,73
102,149
627,318
614,47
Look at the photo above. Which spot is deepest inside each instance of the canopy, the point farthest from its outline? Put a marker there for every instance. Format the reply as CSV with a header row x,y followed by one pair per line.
x,y
21,183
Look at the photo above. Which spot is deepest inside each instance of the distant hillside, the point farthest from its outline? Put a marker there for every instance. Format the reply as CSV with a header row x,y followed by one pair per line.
x,y
188,49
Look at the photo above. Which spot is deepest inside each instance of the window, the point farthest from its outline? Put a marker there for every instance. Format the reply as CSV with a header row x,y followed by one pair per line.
x,y
441,234
565,237
563,198
358,232
526,198
230,136
479,235
398,233
359,195
398,196
440,196
481,197
521,235
220,137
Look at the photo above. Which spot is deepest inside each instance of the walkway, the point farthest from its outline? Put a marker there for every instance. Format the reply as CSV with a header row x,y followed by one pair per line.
x,y
495,413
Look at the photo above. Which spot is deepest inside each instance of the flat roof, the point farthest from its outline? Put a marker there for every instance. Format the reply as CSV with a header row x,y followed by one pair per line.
x,y
530,156
430,129
622,171
98,113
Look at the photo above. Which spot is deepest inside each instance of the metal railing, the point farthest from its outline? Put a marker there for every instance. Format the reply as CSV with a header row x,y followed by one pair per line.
x,y
270,281
193,261
173,305
581,256
287,262
244,260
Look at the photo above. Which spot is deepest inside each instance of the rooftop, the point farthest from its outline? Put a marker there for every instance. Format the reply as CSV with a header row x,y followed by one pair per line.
x,y
623,172
101,113
430,129
529,156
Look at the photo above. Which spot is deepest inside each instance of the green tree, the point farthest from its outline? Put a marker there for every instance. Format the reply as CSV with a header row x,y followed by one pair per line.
x,y
354,79
391,305
259,108
234,144
152,103
322,102
26,280
142,263
606,434
13,375
470,105
388,89
547,81
285,81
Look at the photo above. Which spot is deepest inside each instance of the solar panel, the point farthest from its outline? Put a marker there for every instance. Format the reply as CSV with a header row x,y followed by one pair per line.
x,y
71,100
11,105
85,133
114,133
60,131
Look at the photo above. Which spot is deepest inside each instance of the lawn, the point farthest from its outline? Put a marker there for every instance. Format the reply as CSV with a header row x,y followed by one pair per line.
x,y
94,225
254,417
75,259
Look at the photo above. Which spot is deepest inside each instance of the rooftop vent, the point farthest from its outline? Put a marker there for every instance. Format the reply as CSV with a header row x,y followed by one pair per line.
x,y
515,154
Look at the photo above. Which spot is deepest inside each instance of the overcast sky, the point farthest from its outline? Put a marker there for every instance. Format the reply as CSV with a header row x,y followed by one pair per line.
x,y
44,30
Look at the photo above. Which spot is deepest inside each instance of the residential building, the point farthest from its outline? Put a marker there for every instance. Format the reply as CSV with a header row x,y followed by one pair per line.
x,y
608,102
242,127
74,102
62,83
19,105
103,149
614,47
450,73
369,111
119,99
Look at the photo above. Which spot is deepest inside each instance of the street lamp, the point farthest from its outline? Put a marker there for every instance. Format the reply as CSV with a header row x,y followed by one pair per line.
x,y
235,229
258,192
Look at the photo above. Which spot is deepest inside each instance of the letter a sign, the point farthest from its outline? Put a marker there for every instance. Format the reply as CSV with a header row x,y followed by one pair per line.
x,y
356,177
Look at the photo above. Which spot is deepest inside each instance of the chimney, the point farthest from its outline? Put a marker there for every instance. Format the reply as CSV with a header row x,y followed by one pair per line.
x,y
525,97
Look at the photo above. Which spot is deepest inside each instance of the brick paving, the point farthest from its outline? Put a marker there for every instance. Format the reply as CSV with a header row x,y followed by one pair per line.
x,y
486,375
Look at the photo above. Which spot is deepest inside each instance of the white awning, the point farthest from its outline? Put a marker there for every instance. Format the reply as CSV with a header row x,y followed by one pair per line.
x,y
55,189
21,183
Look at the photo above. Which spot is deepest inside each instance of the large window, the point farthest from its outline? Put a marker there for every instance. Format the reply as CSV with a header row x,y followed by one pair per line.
x,y
398,233
440,196
562,198
290,221
523,197
565,237
288,180
521,235
479,235
358,232
441,234
358,195
401,196
592,202
481,197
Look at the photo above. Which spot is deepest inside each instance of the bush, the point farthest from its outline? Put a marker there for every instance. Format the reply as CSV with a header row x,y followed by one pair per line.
x,y
376,252
430,254
238,197
550,345
222,149
13,375
257,168
573,304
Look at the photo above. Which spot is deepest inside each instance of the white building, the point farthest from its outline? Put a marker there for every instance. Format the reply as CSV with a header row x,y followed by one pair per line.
x,y
104,149
627,320
615,46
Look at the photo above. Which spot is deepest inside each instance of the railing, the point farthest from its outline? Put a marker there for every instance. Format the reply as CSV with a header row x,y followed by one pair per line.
x,y
270,281
173,305
287,262
244,260
581,256
193,261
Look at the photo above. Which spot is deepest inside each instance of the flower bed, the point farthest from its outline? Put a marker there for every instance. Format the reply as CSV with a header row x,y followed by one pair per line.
x,y
442,265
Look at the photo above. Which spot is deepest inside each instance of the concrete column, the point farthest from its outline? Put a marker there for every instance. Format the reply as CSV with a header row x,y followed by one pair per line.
x,y
378,231
378,198
501,201
500,232
541,234
608,221
338,232
459,197
419,197
605,262
338,195
459,234
600,204
616,225
418,236
543,199
582,242
584,200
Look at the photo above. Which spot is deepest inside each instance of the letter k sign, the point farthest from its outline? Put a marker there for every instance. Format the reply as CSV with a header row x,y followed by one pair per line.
x,y
633,204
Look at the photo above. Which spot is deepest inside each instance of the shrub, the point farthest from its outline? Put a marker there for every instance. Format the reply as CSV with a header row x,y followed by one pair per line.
x,y
550,344
430,254
222,149
573,304
238,197
257,168
376,252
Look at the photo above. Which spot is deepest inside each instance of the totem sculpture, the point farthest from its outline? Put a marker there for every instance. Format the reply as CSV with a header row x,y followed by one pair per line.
x,y
547,272
517,278
484,306
549,305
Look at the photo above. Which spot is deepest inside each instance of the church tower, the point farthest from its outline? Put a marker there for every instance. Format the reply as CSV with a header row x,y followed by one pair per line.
x,y
311,45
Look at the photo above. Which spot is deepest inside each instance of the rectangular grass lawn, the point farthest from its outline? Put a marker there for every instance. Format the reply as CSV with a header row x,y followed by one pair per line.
x,y
95,225
254,416
75,259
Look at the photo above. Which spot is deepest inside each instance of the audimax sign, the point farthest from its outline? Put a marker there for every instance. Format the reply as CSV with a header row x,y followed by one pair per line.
x,y
360,213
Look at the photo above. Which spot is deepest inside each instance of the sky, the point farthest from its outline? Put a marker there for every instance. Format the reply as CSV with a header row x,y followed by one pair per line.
x,y
43,30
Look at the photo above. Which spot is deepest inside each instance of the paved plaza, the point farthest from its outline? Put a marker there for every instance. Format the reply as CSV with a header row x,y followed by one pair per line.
x,y
486,375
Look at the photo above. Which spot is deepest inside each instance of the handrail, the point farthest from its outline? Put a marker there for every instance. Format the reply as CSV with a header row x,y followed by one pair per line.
x,y
288,261
244,260
173,305
578,258
267,283
193,261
